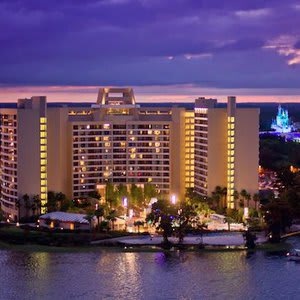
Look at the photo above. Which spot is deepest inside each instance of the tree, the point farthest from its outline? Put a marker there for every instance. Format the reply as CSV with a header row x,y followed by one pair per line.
x,y
37,203
51,202
243,194
99,213
256,199
33,208
149,192
121,193
18,205
59,198
112,217
27,204
186,216
136,196
138,224
278,217
236,196
162,216
95,195
248,198
89,217
110,195
219,196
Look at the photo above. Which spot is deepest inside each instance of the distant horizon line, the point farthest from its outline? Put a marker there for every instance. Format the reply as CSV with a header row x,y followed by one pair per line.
x,y
186,93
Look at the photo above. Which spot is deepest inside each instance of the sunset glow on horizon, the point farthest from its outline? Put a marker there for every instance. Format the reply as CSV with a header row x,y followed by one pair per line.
x,y
175,93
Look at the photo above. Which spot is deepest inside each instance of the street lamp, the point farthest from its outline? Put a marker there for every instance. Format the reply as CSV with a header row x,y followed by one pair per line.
x,y
173,199
125,202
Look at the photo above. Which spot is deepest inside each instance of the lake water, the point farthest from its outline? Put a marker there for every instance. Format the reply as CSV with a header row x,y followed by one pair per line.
x,y
112,274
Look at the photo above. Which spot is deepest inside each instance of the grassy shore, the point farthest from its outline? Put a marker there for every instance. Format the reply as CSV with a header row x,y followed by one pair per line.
x,y
12,238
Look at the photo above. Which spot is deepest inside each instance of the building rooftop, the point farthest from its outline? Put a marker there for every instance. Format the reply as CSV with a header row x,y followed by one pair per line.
x,y
65,217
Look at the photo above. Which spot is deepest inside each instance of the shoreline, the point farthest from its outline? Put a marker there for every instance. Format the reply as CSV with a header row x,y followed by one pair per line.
x,y
20,240
267,247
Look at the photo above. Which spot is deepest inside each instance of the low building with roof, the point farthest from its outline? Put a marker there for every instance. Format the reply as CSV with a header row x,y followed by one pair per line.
x,y
64,220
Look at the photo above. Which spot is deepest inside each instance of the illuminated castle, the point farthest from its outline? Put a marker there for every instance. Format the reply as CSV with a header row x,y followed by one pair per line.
x,y
282,123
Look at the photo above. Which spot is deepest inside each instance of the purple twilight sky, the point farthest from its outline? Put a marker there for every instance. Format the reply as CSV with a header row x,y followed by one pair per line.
x,y
167,49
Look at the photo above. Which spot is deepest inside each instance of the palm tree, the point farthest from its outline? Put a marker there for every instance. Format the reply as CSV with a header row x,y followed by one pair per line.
x,y
99,213
236,197
248,198
243,194
37,202
33,208
59,198
89,217
219,195
27,204
18,205
112,217
256,199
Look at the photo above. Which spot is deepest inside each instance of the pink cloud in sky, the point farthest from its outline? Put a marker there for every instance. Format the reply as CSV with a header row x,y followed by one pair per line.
x,y
170,93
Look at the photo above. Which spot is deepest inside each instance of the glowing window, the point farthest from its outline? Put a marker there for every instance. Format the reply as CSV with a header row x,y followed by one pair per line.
x,y
43,155
43,120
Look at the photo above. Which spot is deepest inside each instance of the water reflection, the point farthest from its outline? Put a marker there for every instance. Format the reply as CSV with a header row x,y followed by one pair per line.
x,y
110,274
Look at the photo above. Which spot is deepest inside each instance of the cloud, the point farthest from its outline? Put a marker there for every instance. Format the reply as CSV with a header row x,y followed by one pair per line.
x,y
253,13
146,42
198,56
286,45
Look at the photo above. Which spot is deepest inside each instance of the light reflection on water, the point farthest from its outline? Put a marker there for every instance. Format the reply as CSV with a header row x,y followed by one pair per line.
x,y
110,274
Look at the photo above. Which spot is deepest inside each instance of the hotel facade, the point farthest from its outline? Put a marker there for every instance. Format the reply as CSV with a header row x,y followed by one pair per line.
x,y
77,149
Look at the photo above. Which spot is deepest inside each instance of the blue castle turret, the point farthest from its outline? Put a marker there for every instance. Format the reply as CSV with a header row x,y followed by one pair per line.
x,y
282,123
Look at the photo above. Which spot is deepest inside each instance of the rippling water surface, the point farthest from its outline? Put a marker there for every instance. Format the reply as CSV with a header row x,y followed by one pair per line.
x,y
111,274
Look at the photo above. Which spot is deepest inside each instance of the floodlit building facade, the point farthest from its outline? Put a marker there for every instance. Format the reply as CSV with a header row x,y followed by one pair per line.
x,y
77,149
226,148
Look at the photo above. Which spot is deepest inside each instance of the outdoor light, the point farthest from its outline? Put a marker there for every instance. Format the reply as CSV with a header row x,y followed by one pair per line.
x,y
125,202
173,199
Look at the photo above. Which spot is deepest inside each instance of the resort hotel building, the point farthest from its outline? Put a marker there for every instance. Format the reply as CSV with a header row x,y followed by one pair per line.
x,y
77,148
